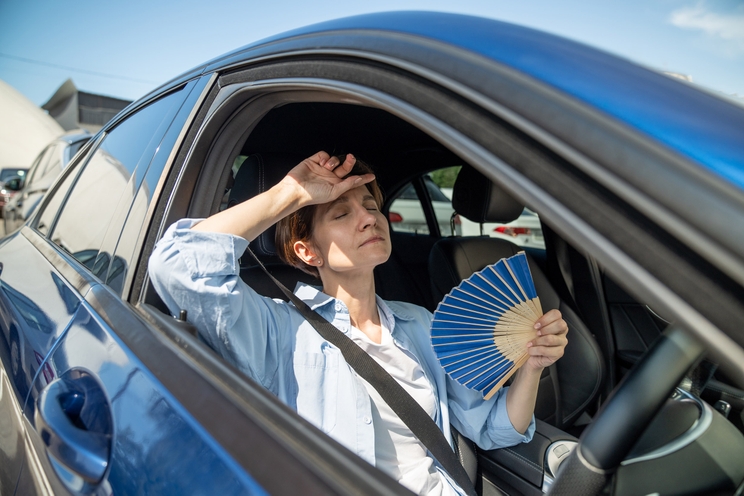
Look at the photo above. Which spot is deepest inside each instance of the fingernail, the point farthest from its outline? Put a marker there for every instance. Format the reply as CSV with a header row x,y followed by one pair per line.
x,y
539,333
538,325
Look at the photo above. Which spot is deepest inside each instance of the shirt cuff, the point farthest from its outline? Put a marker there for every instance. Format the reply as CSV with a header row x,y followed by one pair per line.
x,y
503,425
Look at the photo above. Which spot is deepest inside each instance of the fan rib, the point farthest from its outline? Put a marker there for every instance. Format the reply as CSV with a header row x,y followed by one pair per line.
x,y
480,330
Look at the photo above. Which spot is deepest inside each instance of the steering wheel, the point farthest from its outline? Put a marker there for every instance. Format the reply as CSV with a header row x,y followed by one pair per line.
x,y
627,413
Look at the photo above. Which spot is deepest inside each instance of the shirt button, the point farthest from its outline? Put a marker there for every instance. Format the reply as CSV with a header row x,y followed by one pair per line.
x,y
338,307
367,420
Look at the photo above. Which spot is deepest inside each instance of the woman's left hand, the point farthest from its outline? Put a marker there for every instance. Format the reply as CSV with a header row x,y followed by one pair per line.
x,y
550,342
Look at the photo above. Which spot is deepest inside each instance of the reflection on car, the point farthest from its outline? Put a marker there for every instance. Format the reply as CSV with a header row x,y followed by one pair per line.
x,y
29,188
103,391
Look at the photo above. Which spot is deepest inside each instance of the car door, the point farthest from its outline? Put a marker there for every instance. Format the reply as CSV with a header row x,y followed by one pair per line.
x,y
44,288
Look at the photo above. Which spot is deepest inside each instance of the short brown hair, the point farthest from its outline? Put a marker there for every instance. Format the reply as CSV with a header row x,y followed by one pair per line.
x,y
298,226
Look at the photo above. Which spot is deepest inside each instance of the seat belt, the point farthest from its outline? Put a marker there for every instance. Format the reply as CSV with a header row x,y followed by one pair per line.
x,y
407,409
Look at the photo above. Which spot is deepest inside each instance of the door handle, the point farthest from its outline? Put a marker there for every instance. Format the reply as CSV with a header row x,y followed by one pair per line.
x,y
74,421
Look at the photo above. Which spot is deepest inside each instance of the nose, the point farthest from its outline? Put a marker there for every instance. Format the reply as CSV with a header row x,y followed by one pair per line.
x,y
367,219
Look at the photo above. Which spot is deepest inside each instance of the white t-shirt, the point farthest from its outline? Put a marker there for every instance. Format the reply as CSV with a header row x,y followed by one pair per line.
x,y
398,452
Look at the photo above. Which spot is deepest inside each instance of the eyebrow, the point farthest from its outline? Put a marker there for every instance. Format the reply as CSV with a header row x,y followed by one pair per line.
x,y
345,199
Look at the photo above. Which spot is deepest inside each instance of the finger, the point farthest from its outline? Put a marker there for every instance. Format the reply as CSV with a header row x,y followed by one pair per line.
x,y
558,327
319,158
331,163
352,182
548,318
550,340
346,166
552,352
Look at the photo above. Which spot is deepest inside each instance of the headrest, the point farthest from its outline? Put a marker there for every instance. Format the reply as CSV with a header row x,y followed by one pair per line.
x,y
478,199
258,173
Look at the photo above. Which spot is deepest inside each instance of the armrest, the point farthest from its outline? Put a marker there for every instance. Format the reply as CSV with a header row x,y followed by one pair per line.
x,y
528,462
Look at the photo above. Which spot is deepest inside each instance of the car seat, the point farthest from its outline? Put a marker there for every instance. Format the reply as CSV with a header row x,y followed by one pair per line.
x,y
570,386
258,173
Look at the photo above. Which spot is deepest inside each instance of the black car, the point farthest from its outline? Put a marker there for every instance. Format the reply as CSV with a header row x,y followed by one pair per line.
x,y
638,182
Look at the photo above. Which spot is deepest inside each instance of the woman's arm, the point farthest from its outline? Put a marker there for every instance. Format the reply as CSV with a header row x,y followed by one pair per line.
x,y
315,180
544,350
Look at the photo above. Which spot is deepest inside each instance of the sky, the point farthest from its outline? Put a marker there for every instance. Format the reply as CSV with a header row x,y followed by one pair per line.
x,y
126,48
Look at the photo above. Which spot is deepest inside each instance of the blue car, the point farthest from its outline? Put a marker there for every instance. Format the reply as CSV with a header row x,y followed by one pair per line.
x,y
637,180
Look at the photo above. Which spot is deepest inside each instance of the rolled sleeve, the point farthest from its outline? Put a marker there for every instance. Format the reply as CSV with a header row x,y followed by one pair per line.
x,y
200,272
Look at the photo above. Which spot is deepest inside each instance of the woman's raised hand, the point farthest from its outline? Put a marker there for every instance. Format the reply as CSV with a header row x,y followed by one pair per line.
x,y
322,178
317,179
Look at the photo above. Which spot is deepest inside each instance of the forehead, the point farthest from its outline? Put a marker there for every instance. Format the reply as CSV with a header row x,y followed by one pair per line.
x,y
360,193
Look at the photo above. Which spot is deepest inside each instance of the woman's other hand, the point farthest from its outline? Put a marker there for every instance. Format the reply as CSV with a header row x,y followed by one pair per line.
x,y
322,178
550,342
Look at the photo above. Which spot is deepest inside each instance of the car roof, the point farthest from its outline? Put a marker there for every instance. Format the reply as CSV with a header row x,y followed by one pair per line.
x,y
697,124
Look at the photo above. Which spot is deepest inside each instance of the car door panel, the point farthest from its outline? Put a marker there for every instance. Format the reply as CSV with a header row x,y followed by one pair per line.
x,y
146,424
35,308
11,432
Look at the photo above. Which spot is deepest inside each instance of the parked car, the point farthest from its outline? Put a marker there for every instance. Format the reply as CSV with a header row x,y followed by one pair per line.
x,y
11,172
6,193
406,213
637,181
28,188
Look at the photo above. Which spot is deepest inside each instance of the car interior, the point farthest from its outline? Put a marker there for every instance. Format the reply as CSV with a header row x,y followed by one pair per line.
x,y
609,330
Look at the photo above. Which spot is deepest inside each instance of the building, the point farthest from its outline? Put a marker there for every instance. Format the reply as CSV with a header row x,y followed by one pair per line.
x,y
74,109
25,129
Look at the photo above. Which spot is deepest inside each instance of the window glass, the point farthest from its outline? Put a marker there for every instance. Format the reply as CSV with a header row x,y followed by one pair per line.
x,y
38,166
55,201
128,242
101,196
406,213
441,200
54,165
524,231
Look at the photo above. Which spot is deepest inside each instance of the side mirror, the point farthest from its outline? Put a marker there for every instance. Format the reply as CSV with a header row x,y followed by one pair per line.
x,y
14,184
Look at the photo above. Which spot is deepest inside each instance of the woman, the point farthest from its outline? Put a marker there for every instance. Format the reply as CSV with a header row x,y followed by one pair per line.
x,y
331,226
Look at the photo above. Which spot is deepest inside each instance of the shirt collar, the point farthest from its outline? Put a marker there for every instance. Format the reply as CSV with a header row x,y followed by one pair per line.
x,y
312,295
315,298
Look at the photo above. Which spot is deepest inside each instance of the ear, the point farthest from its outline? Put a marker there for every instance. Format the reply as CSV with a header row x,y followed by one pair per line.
x,y
306,252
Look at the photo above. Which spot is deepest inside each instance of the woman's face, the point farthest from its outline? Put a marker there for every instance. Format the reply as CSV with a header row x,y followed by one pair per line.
x,y
350,233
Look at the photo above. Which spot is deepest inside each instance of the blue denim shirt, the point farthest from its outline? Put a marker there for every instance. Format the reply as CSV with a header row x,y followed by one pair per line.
x,y
272,343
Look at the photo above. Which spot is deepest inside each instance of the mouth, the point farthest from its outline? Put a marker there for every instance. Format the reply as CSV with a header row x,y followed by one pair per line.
x,y
372,240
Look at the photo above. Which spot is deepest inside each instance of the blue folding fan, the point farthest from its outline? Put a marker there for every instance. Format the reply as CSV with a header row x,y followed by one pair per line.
x,y
481,328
